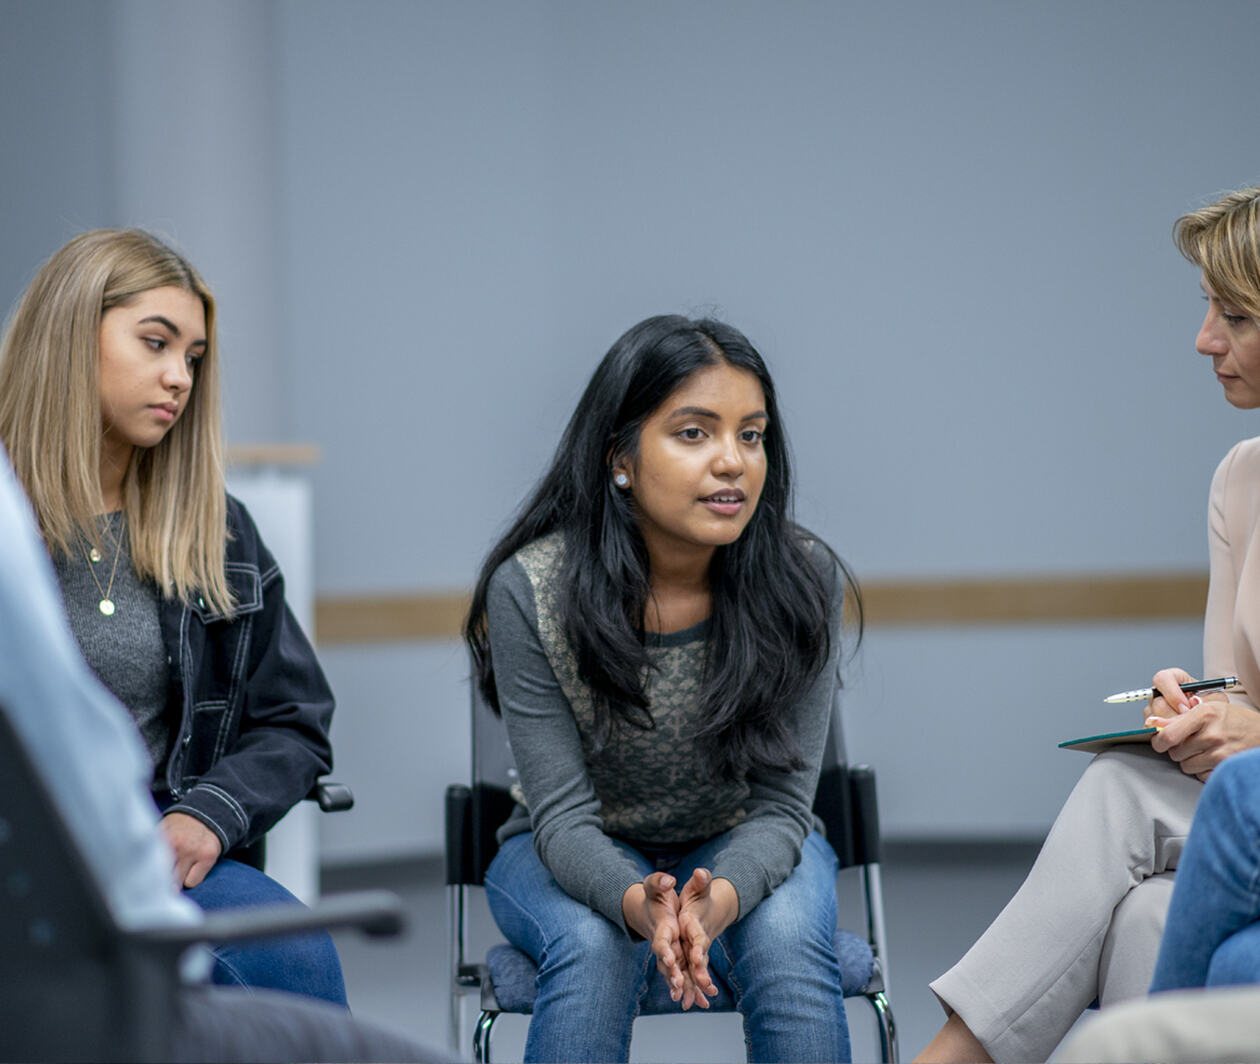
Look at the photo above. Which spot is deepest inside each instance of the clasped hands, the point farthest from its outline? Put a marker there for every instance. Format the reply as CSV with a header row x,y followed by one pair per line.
x,y
1198,731
680,927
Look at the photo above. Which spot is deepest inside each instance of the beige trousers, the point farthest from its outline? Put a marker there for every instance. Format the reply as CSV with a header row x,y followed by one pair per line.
x,y
1087,921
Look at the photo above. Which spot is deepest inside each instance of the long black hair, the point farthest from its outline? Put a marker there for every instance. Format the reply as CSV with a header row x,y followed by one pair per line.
x,y
769,634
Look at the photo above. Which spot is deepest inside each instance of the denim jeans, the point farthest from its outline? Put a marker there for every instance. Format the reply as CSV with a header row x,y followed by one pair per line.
x,y
301,964
778,961
1212,937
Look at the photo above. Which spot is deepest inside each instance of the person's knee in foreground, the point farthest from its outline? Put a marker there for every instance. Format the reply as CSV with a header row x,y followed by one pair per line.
x,y
1212,937
1218,1026
109,409
662,642
1026,981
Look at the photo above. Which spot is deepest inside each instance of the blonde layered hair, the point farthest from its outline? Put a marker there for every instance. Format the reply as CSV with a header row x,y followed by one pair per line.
x,y
1223,239
50,417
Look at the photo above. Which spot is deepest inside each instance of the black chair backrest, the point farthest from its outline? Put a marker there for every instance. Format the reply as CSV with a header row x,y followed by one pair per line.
x,y
474,813
845,798
68,986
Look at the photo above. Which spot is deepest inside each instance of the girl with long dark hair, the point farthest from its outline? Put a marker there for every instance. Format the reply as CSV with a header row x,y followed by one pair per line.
x,y
663,643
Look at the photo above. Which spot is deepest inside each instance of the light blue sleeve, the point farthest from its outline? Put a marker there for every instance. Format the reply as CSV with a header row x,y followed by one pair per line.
x,y
81,739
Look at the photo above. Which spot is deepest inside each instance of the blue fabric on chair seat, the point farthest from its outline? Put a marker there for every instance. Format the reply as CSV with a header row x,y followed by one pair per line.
x,y
856,962
513,973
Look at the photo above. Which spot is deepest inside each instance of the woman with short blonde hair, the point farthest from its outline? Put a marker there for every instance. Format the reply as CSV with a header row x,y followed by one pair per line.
x,y
1223,240
1086,923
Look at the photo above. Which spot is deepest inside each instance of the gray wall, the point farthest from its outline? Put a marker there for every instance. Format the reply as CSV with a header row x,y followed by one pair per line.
x,y
945,224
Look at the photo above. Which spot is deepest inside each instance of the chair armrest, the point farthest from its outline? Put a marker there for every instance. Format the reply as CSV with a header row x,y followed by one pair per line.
x,y
332,797
374,912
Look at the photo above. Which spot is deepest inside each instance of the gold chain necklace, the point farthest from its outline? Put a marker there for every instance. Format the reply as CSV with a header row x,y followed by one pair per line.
x,y
106,605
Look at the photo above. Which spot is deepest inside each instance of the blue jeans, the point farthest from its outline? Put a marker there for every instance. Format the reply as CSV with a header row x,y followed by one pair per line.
x,y
1212,937
301,964
777,961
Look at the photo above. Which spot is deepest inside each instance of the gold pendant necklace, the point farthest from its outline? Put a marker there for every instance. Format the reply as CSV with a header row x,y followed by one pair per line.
x,y
106,605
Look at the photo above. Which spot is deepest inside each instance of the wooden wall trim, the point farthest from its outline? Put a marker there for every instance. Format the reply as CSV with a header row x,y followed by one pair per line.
x,y
389,618
1072,599
272,454
1063,599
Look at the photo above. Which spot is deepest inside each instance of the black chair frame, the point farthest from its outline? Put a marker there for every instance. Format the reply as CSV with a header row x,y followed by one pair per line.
x,y
73,984
845,802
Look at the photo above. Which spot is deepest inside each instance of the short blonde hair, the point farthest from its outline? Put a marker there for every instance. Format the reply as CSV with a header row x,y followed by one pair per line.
x,y
50,416
1223,239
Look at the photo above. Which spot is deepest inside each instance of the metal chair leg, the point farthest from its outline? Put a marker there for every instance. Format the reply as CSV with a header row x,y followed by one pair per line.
x,y
877,933
454,1022
455,929
481,1037
887,1028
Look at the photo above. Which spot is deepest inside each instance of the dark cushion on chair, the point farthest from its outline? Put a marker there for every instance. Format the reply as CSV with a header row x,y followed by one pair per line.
x,y
513,974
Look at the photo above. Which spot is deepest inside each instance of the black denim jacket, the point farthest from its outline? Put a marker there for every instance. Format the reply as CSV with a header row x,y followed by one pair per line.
x,y
254,706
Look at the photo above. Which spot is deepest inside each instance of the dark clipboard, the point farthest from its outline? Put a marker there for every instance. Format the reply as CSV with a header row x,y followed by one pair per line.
x,y
1096,744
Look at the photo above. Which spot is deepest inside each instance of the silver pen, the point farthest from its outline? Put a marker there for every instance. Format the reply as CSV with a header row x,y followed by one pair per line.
x,y
1143,694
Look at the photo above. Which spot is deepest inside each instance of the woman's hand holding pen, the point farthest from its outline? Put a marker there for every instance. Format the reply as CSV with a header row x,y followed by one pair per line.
x,y
1198,731
1171,699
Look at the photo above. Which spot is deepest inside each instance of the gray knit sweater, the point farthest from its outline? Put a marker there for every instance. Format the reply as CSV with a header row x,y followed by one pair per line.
x,y
644,786
125,650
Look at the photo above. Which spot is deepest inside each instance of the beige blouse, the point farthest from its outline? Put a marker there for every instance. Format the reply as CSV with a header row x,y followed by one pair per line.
x,y
1231,628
